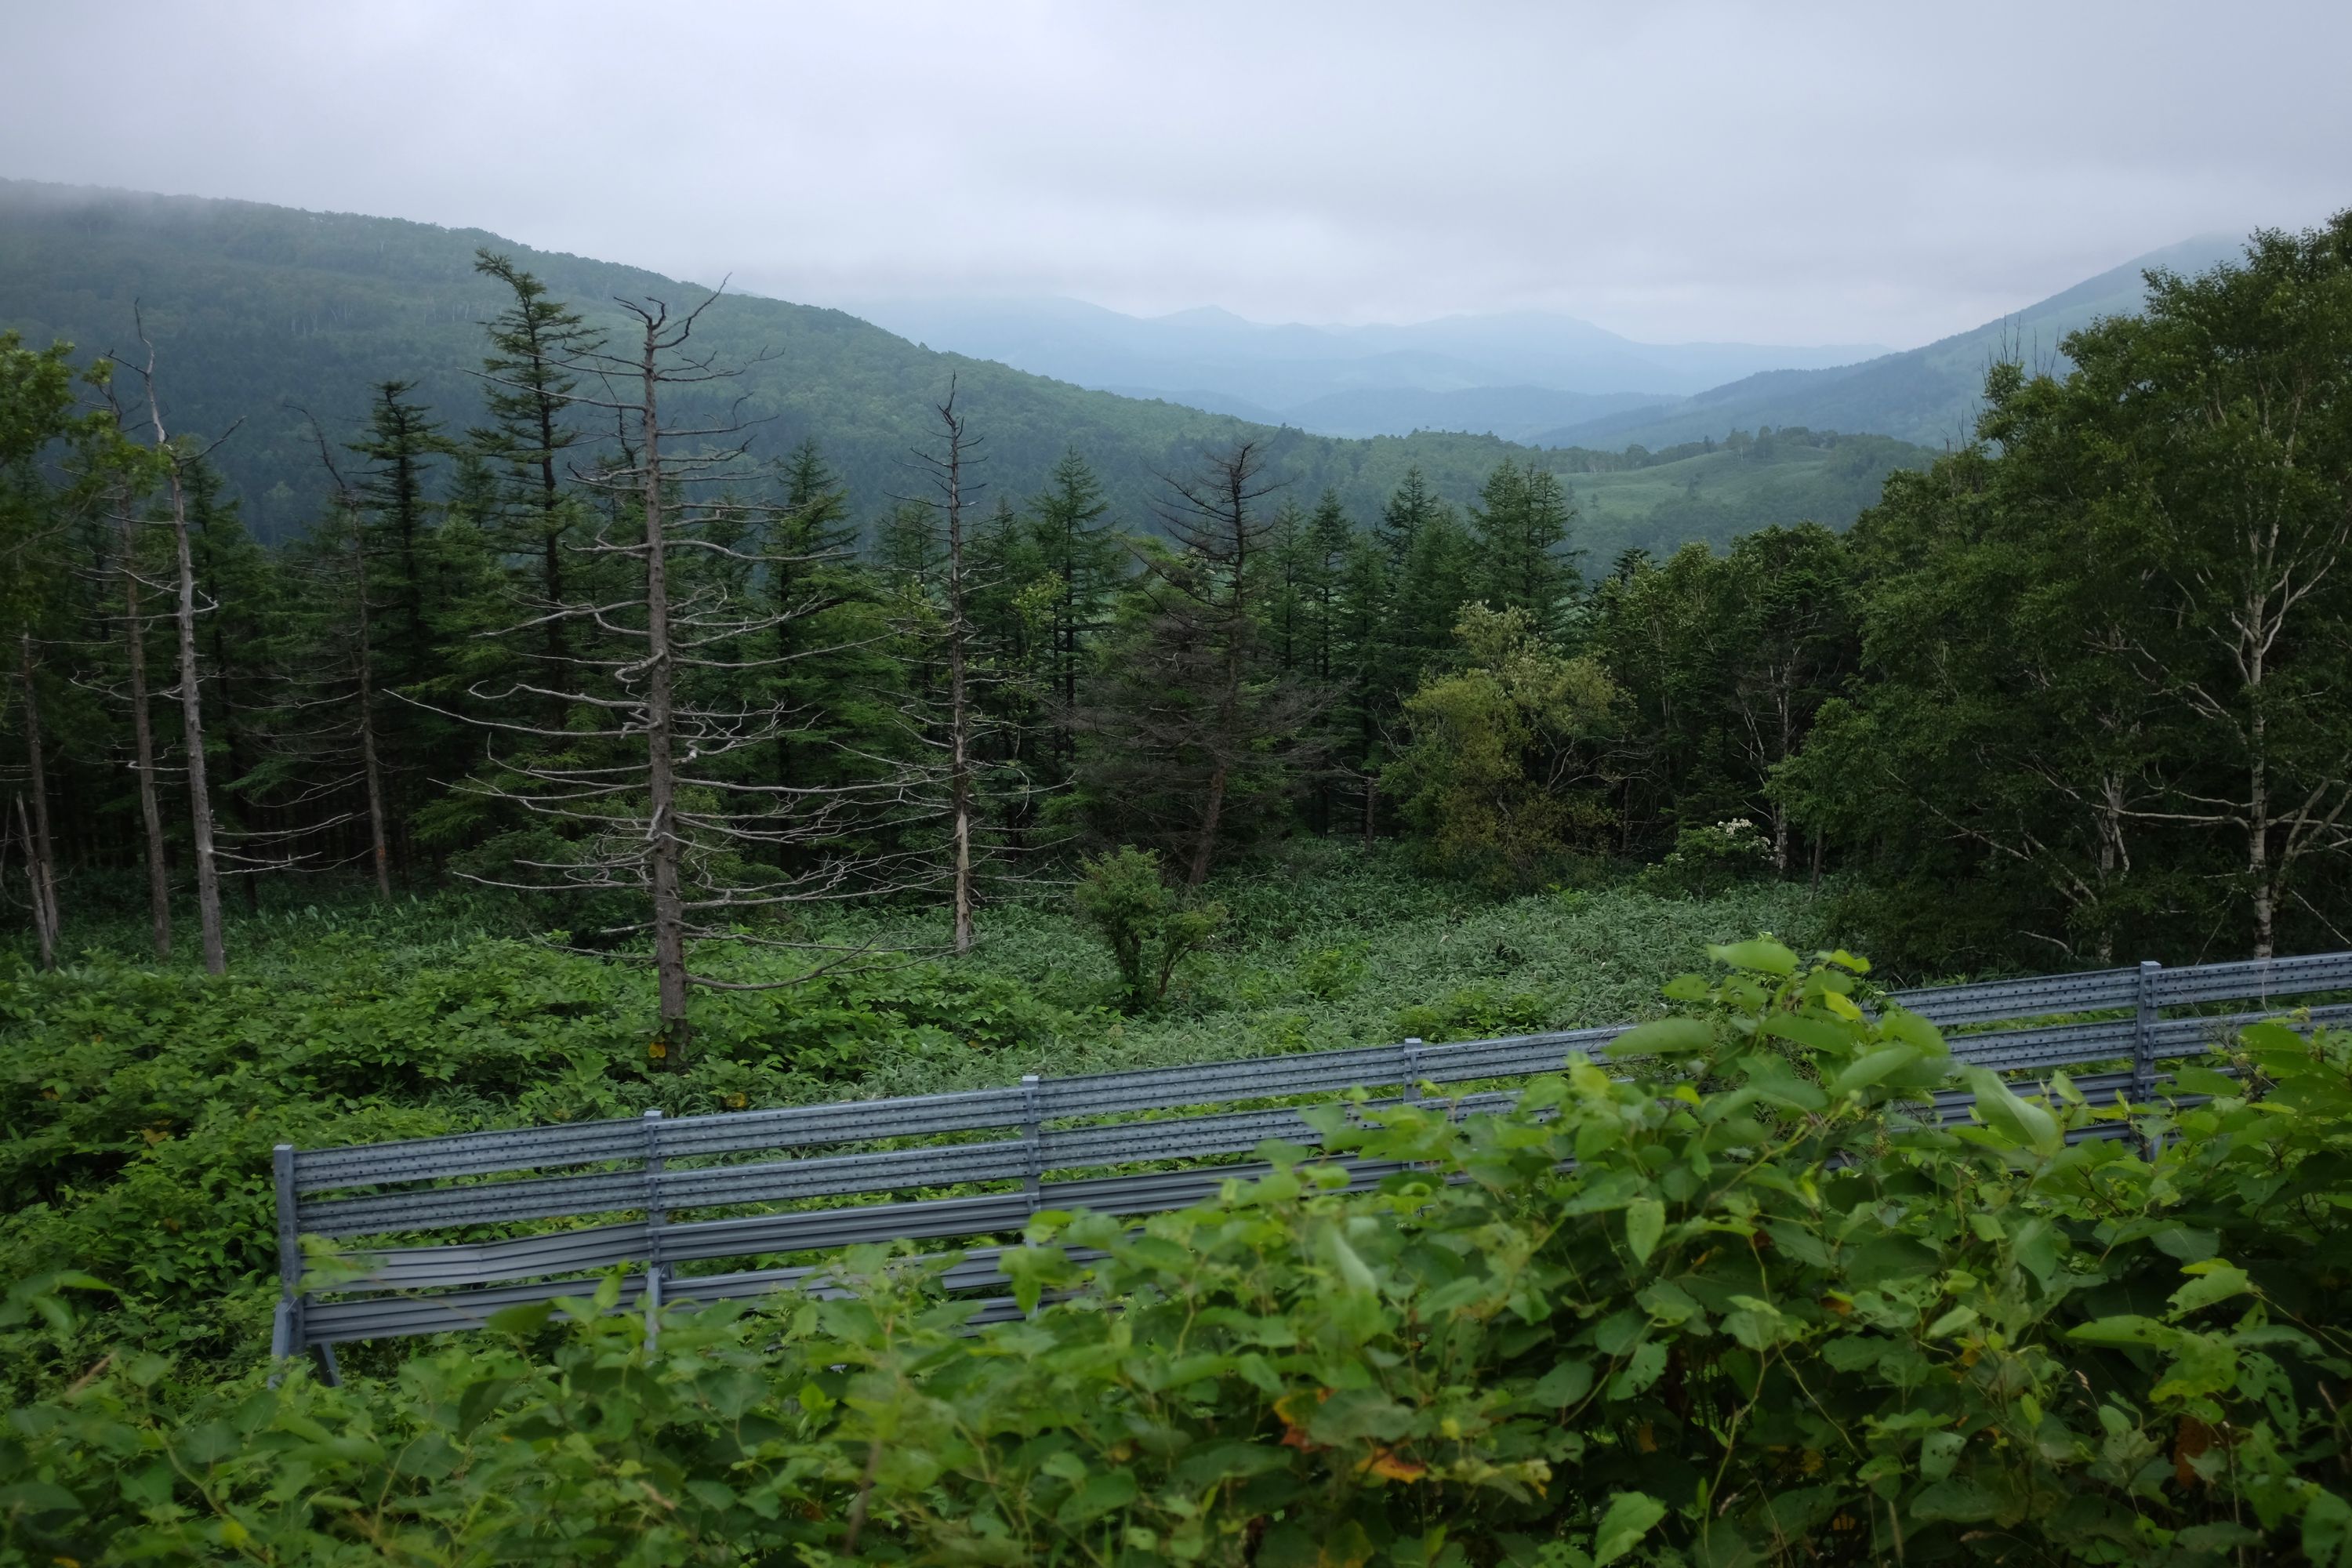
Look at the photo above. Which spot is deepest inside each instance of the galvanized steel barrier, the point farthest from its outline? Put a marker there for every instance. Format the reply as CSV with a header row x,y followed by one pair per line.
x,y
649,1171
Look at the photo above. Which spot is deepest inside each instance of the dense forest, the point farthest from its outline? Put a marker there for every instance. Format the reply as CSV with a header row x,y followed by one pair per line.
x,y
594,649
589,755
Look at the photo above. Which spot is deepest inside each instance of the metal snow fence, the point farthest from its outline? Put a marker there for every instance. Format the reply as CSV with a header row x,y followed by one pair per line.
x,y
668,1191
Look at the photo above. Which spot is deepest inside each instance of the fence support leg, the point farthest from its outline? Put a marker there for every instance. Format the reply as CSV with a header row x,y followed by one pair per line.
x,y
1032,1142
656,1216
287,1336
2144,1046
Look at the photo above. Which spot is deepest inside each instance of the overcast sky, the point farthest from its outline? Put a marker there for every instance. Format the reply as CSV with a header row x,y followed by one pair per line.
x,y
1777,172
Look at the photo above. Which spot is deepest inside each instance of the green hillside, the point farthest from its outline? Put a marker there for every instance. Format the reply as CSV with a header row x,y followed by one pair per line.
x,y
257,310
1928,395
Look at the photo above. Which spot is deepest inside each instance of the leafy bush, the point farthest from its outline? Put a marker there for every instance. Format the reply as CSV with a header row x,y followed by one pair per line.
x,y
1713,856
1739,1307
1148,931
1500,772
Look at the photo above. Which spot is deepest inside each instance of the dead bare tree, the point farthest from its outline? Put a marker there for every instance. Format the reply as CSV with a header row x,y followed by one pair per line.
x,y
948,465
662,794
40,856
174,462
143,729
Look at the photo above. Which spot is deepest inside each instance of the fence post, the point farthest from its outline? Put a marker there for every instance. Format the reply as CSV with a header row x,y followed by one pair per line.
x,y
1412,1053
2144,1044
286,1331
1032,1141
656,1216
286,1327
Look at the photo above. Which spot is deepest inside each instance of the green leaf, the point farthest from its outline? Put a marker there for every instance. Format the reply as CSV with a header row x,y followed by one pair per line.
x,y
2125,1329
1668,1304
1872,1066
1664,1037
1214,1462
1645,1221
1629,1517
1564,1385
2215,1282
1644,1367
1345,1547
1823,1036
1761,954
1344,1258
2327,1529
37,1498
1961,1501
1102,1492
1356,1413
527,1318
2028,1125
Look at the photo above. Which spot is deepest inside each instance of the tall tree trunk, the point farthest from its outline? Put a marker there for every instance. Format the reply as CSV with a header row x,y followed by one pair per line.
x,y
192,723
371,767
661,779
40,868
142,732
191,708
550,565
959,791
1206,847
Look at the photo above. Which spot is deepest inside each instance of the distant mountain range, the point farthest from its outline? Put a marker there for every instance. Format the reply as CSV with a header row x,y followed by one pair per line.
x,y
1928,395
260,312
1541,379
1514,375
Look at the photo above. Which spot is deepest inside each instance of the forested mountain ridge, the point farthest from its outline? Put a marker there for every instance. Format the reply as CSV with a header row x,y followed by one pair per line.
x,y
260,312
1930,396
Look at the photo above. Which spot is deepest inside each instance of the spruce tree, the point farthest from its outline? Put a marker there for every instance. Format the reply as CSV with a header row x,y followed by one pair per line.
x,y
397,528
1201,739
832,669
1080,549
1521,527
529,378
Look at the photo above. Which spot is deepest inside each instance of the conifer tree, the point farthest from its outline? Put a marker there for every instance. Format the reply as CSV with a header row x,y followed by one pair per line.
x,y
1434,578
1201,739
410,574
1079,550
832,668
402,442
666,807
528,387
1521,527
38,426
1408,512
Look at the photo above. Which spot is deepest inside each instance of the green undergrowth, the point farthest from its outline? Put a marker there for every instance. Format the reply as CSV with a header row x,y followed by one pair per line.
x,y
140,1100
1721,1301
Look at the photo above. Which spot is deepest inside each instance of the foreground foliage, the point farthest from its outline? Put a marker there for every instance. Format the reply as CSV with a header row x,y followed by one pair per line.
x,y
140,1100
1764,1316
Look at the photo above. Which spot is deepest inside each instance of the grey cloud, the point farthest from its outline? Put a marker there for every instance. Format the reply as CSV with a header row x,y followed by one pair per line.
x,y
1772,173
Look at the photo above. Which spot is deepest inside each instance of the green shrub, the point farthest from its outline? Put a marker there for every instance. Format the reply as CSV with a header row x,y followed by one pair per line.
x,y
1737,1307
1148,928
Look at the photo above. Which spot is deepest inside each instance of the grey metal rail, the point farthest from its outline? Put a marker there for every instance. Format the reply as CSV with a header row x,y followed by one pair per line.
x,y
766,1187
